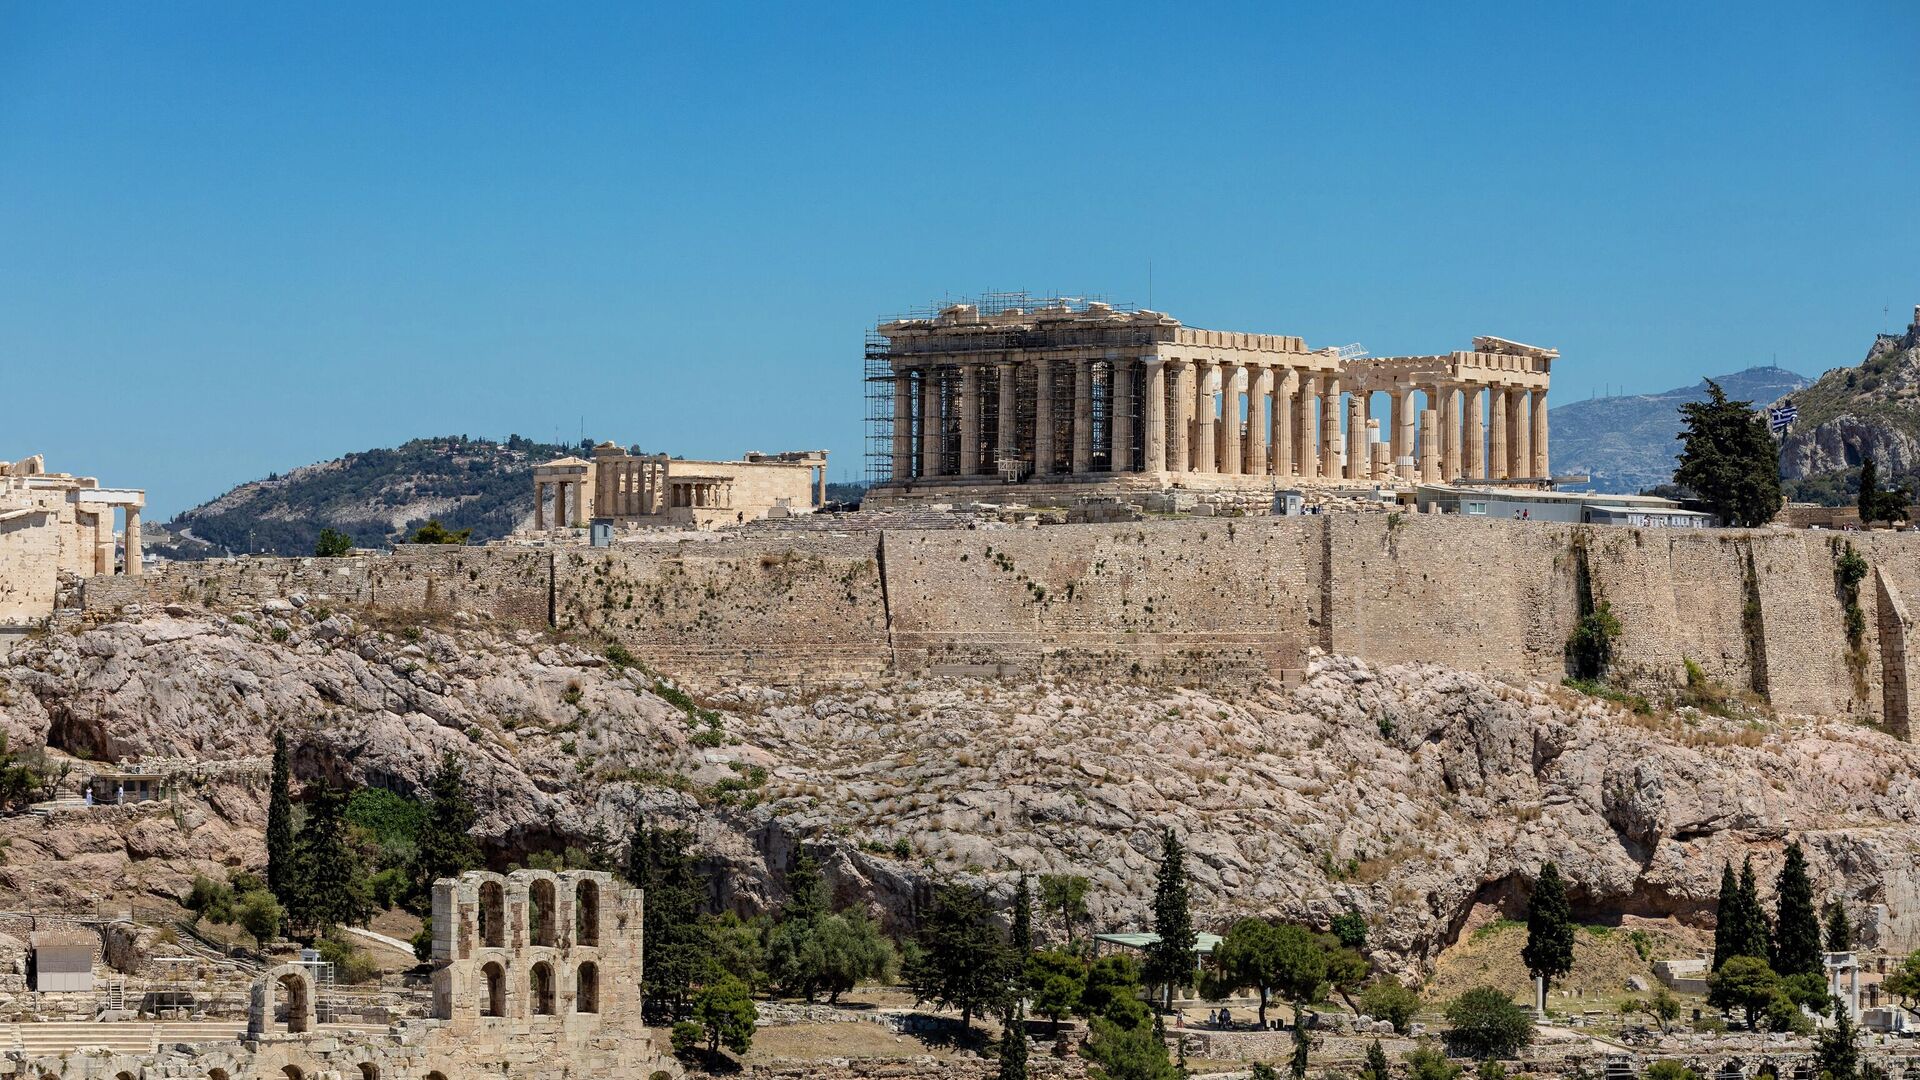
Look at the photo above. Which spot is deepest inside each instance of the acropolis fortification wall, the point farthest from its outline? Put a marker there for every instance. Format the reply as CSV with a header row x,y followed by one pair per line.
x,y
1172,601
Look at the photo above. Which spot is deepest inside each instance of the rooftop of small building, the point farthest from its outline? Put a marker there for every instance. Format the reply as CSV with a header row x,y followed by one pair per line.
x,y
1523,494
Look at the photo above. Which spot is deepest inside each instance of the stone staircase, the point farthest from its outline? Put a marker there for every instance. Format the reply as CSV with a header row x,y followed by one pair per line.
x,y
66,1036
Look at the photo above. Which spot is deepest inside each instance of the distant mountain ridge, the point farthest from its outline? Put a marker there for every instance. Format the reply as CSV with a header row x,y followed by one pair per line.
x,y
1630,443
374,496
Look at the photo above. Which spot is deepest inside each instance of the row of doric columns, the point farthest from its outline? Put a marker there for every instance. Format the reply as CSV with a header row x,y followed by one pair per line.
x,y
558,489
627,486
1149,414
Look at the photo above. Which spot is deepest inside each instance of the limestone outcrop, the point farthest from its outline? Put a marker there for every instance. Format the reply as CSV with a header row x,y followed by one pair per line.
x,y
1420,796
1853,413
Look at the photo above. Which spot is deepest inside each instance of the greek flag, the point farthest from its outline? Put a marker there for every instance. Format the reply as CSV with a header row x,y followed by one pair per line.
x,y
1781,417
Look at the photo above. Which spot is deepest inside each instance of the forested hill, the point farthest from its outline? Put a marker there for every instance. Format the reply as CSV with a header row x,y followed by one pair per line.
x,y
374,496
1629,443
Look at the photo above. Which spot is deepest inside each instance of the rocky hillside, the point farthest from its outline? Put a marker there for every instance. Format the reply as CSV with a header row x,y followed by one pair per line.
x,y
1417,795
374,496
1872,410
1630,443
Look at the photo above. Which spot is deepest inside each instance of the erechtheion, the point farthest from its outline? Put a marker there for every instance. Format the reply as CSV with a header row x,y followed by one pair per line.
x,y
654,489
1078,392
54,523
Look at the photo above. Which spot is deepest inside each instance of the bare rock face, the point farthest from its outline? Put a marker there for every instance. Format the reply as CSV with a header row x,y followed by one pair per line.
x,y
1851,414
1416,795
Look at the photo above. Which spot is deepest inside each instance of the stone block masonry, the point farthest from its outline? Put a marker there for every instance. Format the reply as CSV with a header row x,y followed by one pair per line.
x,y
1192,601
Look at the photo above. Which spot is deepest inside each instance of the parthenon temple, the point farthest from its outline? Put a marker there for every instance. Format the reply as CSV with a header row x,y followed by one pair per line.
x,y
1077,391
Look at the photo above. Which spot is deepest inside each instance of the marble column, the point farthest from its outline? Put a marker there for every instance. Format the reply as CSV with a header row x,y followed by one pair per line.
x,y
1206,454
1306,450
1449,407
1120,421
1261,418
1539,424
1429,445
930,423
1155,415
1519,441
560,505
539,505
1004,448
132,542
1082,416
970,420
1359,453
1286,385
1180,391
1476,433
1497,441
1043,457
1330,427
1406,422
1231,455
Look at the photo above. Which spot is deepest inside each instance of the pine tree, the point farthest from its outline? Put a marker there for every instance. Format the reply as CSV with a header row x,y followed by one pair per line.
x,y
280,824
1549,949
962,962
1170,959
1839,929
1726,908
1836,1050
332,884
1729,459
1796,942
445,847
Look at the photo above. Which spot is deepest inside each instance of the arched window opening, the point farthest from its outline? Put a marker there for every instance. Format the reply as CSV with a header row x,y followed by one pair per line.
x,y
124,1076
542,986
436,1075
292,1072
493,915
586,913
212,1074
586,989
369,1071
493,990
540,912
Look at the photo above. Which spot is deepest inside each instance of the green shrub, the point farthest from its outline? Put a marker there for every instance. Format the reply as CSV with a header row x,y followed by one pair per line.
x,y
1590,646
1425,1062
1487,1024
687,1037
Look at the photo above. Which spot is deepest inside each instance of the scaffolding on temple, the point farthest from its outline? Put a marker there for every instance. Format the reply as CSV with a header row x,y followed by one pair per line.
x,y
880,388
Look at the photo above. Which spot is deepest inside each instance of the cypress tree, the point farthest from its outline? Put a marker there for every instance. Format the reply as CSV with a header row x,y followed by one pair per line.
x,y
1013,1044
1298,1065
1549,949
1170,959
671,936
1726,911
445,847
1839,929
1796,943
1752,933
280,824
1020,935
1377,1068
333,888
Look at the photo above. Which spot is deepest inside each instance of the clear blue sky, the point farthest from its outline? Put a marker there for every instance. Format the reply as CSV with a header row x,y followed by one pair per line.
x,y
236,238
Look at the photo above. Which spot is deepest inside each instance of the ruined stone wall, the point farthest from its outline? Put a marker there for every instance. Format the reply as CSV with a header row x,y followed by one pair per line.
x,y
783,606
1172,601
1179,601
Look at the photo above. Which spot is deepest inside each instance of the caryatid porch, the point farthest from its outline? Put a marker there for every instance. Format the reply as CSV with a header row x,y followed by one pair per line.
x,y
1097,392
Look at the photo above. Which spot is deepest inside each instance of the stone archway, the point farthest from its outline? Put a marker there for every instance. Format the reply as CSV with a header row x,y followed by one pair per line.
x,y
295,983
493,989
540,983
493,914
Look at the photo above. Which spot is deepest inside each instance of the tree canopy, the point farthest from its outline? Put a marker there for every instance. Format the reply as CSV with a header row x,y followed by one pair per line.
x,y
962,961
1729,460
1796,929
1487,1024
